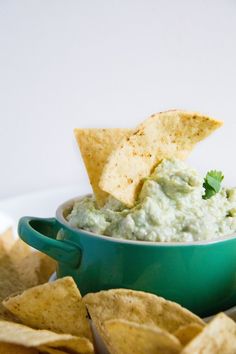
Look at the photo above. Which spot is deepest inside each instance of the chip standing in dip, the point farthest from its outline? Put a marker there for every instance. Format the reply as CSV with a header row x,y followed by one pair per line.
x,y
171,207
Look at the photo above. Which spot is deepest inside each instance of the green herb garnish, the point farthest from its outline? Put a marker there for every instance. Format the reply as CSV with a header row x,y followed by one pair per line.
x,y
212,183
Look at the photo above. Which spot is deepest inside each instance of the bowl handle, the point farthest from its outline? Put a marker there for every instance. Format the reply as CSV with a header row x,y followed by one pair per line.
x,y
41,233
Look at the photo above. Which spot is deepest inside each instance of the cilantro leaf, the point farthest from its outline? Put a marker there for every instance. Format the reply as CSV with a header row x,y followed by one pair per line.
x,y
212,183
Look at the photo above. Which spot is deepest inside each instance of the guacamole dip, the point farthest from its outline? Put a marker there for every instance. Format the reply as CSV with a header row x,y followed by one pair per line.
x,y
170,207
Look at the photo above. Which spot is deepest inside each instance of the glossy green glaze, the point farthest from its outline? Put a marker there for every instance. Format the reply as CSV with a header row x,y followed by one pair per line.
x,y
199,276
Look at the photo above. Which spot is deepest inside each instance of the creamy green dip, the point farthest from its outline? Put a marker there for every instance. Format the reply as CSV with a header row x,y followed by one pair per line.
x,y
170,207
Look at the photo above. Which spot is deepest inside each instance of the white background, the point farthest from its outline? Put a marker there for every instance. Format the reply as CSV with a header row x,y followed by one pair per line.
x,y
75,63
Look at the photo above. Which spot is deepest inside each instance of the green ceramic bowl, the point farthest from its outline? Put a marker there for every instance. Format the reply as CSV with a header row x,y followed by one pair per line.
x,y
199,275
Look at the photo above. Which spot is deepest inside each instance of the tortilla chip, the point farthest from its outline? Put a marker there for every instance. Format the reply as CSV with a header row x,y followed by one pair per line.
x,y
219,336
44,349
9,278
124,337
186,333
36,268
171,134
56,306
46,268
20,268
6,348
95,146
19,251
7,238
139,307
14,333
74,345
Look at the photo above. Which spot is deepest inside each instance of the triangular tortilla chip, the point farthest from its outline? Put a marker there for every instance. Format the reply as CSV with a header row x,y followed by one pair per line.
x,y
46,350
6,348
7,238
18,334
139,307
56,306
95,146
218,337
36,268
20,268
186,333
19,251
171,134
9,277
124,337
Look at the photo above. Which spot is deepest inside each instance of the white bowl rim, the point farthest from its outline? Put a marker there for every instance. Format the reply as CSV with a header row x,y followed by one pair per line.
x,y
70,202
